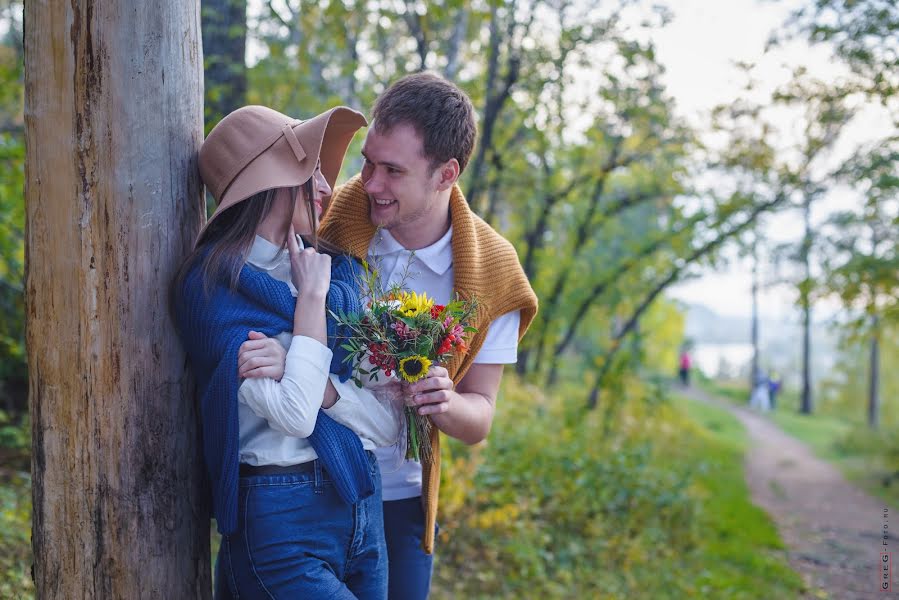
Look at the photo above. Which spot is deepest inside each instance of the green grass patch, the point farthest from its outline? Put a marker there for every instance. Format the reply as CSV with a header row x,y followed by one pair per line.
x,y
15,536
562,504
820,433
741,550
870,459
657,508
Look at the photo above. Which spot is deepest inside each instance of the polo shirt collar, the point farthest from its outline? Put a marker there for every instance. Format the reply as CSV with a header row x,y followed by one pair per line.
x,y
438,257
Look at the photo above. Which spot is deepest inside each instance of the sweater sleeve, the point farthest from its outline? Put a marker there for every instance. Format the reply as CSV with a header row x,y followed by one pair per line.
x,y
291,406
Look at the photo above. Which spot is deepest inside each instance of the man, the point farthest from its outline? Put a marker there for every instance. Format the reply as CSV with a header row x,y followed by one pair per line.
x,y
420,141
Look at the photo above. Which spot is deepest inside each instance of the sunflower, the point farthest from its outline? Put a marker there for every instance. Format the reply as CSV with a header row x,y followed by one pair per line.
x,y
413,368
412,305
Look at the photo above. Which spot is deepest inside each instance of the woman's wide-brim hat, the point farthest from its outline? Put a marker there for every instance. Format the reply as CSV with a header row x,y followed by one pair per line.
x,y
255,149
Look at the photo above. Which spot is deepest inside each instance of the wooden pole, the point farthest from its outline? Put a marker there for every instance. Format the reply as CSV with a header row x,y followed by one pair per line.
x,y
113,116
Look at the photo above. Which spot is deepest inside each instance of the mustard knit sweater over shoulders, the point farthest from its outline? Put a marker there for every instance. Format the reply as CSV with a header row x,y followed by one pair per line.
x,y
485,267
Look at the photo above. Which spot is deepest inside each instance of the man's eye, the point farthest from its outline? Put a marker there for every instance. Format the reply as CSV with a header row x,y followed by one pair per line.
x,y
393,171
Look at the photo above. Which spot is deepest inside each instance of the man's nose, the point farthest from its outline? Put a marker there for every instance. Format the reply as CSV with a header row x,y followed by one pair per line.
x,y
373,184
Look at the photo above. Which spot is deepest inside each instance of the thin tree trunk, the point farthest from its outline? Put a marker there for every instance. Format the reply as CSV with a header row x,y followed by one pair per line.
x,y
415,22
455,43
754,368
224,25
550,306
549,314
660,286
805,302
874,377
114,117
495,94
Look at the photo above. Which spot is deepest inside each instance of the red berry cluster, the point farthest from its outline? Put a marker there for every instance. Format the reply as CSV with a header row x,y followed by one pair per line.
x,y
381,359
453,339
436,310
446,346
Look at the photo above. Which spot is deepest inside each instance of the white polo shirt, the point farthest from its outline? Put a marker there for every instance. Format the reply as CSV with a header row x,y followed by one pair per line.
x,y
430,271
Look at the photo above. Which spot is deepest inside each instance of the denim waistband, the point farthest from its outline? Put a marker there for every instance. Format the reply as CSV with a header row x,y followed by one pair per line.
x,y
308,468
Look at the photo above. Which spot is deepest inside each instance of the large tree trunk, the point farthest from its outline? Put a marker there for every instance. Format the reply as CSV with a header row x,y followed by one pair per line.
x,y
113,105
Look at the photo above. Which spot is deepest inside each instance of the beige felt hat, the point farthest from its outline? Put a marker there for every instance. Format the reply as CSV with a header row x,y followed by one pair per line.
x,y
255,148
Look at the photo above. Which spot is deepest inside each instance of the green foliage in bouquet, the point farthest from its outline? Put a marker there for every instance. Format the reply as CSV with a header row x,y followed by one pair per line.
x,y
402,333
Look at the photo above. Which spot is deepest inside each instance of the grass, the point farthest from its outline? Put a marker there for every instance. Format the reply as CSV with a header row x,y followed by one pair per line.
x,y
551,508
865,457
659,509
741,548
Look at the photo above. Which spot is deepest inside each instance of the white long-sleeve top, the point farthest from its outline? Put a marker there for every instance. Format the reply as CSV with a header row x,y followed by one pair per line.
x,y
275,417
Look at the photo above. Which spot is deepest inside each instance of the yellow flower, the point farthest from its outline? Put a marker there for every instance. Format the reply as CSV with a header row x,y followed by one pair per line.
x,y
413,368
412,305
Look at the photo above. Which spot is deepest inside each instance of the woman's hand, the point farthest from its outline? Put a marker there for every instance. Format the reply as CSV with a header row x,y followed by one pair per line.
x,y
309,270
261,356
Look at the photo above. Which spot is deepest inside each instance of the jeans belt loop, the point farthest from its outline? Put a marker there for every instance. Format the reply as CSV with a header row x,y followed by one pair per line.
x,y
318,476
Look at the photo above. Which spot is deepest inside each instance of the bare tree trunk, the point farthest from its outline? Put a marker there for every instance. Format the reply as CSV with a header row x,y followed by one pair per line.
x,y
672,277
455,43
754,367
416,28
573,323
114,117
805,406
224,49
496,93
874,377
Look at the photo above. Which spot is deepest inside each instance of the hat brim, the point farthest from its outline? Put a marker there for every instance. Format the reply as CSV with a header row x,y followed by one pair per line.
x,y
326,136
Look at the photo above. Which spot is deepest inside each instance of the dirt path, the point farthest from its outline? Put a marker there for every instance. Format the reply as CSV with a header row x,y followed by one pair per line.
x,y
832,529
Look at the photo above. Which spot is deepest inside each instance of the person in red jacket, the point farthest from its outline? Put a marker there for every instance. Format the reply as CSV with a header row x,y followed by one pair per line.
x,y
684,369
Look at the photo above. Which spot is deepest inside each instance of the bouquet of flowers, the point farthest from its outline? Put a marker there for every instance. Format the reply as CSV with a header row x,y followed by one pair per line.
x,y
401,334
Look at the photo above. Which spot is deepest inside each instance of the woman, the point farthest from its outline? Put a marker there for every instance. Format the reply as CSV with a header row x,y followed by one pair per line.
x,y
296,489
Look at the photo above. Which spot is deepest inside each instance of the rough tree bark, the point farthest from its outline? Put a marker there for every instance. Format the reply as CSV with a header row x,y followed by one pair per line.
x,y
113,113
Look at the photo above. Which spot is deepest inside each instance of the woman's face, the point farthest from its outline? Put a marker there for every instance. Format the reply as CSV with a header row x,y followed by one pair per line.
x,y
302,224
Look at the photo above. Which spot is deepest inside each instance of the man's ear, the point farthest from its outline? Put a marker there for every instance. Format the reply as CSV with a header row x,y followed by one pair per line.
x,y
448,174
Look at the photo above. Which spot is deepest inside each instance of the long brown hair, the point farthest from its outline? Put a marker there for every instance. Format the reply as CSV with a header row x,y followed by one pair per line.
x,y
225,244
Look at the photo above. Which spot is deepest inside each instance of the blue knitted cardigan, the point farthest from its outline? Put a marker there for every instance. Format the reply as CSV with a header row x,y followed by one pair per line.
x,y
212,325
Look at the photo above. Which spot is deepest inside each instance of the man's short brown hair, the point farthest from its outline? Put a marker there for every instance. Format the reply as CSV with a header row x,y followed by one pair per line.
x,y
437,109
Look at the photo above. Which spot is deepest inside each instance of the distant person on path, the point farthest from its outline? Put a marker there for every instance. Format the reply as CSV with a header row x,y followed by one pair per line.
x,y
773,389
759,399
684,369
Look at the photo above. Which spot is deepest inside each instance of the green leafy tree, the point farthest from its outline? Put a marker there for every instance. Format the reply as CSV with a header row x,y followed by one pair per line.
x,y
863,267
224,29
13,369
864,34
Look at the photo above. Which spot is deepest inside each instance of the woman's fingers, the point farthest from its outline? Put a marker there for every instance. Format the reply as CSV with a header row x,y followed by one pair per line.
x,y
293,247
255,358
269,346
268,371
253,345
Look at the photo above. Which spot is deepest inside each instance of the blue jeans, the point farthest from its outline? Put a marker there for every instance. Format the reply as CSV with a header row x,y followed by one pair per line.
x,y
296,538
410,567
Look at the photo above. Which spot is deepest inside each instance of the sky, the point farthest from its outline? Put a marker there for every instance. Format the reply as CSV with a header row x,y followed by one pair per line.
x,y
698,50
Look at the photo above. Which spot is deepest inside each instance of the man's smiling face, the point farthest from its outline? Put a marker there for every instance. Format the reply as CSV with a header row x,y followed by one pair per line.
x,y
402,185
